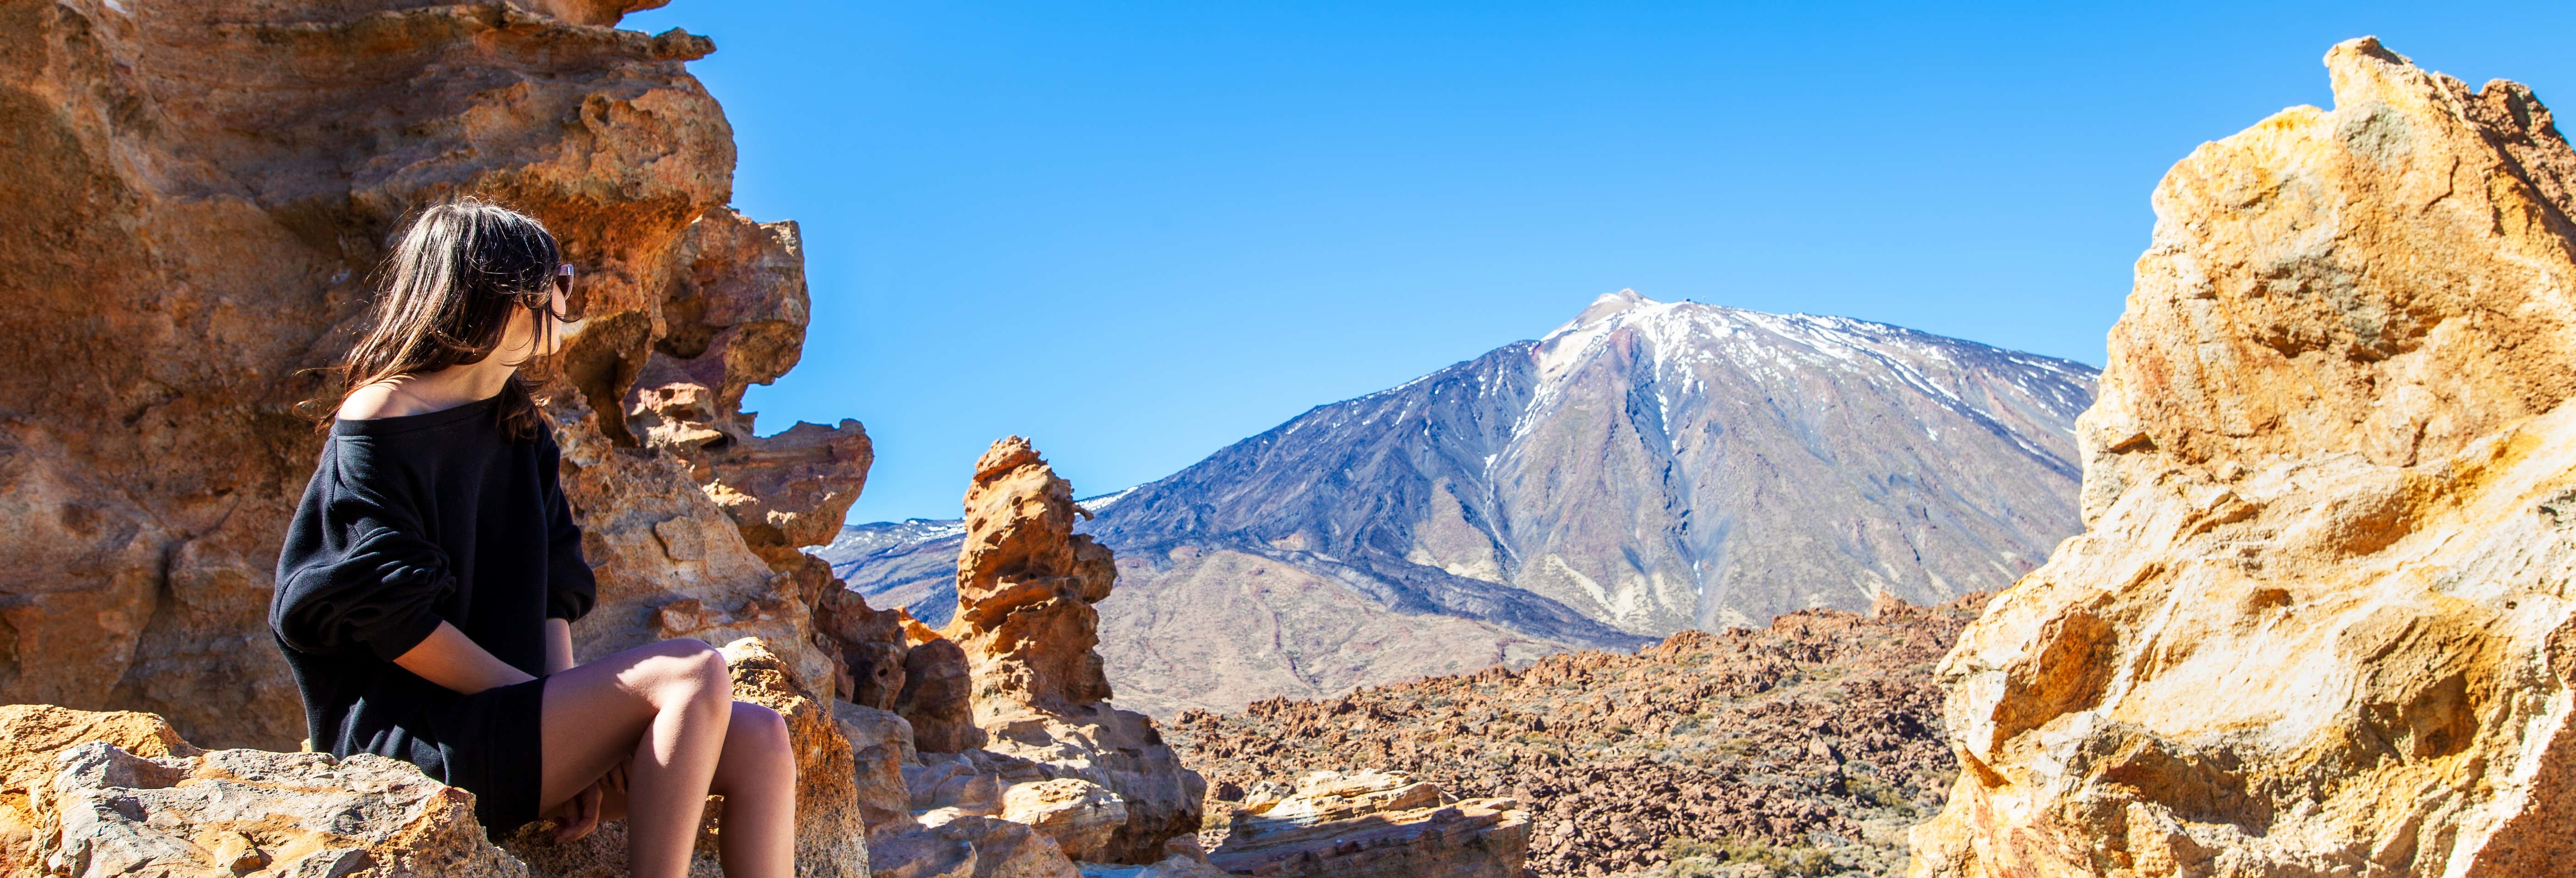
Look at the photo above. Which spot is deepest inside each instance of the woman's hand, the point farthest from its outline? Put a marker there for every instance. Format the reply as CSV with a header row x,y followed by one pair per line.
x,y
578,815
614,782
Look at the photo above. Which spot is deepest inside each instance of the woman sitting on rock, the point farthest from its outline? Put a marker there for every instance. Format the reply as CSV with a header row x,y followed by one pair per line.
x,y
426,595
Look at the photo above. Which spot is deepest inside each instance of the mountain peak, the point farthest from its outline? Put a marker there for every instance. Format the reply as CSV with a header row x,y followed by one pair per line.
x,y
1607,306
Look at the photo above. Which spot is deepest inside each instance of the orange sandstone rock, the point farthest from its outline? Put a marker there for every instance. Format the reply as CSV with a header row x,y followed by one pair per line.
x,y
2319,623
1008,705
1025,586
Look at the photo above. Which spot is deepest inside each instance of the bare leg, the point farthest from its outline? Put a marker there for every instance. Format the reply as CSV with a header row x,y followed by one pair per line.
x,y
757,778
666,708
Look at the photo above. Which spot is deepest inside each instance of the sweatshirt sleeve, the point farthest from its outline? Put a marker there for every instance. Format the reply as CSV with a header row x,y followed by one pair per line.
x,y
570,587
357,573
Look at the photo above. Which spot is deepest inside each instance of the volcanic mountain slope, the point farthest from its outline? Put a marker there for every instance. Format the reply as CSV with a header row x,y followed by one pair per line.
x,y
1806,747
1646,468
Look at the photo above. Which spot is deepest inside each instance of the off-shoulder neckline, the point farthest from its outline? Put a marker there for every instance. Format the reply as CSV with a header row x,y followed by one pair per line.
x,y
408,423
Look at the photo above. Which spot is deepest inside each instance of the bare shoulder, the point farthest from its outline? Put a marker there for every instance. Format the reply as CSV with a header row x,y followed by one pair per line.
x,y
379,400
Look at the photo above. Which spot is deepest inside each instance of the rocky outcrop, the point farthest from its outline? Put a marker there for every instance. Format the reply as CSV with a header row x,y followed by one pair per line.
x,y
1326,796
880,746
831,829
971,847
2318,623
1814,740
1025,586
96,794
1374,824
871,644
937,692
1002,715
199,195
1119,752
236,812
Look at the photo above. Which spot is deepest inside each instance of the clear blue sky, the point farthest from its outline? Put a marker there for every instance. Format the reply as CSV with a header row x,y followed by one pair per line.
x,y
1137,232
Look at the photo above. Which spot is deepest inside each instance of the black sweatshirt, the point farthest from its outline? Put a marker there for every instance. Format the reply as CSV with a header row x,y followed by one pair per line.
x,y
410,521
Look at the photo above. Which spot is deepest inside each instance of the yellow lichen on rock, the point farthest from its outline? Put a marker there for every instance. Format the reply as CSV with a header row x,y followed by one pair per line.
x,y
2320,622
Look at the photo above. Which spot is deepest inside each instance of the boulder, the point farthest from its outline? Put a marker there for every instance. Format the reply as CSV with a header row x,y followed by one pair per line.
x,y
880,747
1121,752
2319,621
937,692
871,642
1374,825
969,847
32,735
1080,815
106,811
1326,796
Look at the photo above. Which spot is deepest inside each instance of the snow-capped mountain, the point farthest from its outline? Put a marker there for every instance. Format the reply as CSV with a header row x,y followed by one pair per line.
x,y
1647,467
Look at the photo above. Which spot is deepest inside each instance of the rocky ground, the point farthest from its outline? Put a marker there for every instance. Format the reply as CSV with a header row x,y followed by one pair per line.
x,y
1805,748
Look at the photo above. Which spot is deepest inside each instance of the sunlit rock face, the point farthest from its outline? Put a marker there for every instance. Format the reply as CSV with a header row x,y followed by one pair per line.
x,y
196,195
2319,624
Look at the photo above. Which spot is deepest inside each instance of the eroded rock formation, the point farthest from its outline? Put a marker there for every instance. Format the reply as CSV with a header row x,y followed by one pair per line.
x,y
1025,586
1003,714
2319,623
206,189
199,193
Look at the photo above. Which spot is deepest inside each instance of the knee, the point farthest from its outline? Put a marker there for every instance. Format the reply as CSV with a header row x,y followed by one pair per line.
x,y
761,733
689,672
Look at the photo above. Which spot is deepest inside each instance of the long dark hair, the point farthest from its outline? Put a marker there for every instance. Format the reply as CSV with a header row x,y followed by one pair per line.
x,y
445,297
